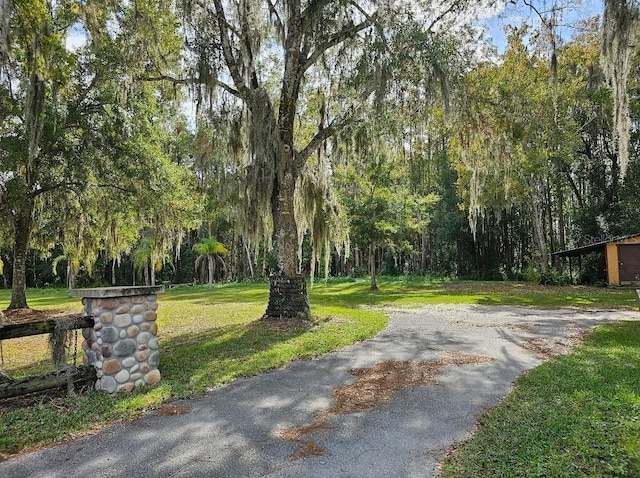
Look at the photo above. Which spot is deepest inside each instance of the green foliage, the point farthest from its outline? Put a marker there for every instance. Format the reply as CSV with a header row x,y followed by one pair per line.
x,y
86,131
593,270
210,246
553,277
385,202
107,160
211,251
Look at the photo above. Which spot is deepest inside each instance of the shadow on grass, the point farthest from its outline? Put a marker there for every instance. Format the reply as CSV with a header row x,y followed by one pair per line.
x,y
191,364
43,298
224,293
39,367
220,355
397,292
575,415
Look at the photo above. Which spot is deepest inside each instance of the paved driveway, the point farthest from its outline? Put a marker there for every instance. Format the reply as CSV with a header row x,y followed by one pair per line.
x,y
473,352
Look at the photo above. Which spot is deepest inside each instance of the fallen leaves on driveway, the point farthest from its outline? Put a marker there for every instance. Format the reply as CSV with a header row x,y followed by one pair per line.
x,y
374,385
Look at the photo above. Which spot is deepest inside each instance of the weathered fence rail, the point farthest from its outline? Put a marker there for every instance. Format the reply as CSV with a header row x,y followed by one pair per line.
x,y
76,376
12,331
64,378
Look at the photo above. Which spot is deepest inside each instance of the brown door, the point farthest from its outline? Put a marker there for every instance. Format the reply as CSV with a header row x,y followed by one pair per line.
x,y
629,260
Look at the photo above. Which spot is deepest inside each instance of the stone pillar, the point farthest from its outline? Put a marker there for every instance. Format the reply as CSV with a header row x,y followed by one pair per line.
x,y
122,345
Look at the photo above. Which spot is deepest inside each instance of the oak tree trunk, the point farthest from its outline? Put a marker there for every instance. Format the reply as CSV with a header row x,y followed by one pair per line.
x,y
288,296
372,267
22,232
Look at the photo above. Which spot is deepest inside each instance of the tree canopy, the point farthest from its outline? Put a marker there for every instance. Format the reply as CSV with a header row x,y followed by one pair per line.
x,y
82,136
310,137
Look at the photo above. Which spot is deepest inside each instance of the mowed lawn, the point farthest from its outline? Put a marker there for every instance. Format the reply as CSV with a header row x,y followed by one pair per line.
x,y
211,335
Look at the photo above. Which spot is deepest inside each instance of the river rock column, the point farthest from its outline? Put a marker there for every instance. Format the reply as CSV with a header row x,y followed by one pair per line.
x,y
122,345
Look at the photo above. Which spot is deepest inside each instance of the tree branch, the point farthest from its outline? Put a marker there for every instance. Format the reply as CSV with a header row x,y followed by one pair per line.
x,y
52,187
274,12
76,184
313,6
245,41
190,81
337,38
119,188
336,125
239,81
322,135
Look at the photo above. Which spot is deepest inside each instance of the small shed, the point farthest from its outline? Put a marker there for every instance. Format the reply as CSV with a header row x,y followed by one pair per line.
x,y
622,256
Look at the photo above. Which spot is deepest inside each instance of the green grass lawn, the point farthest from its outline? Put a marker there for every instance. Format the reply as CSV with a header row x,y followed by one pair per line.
x,y
211,335
414,291
575,416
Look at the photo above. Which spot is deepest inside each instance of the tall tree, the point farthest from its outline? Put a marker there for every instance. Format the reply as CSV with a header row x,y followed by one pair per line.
x,y
268,54
75,117
513,132
34,55
383,211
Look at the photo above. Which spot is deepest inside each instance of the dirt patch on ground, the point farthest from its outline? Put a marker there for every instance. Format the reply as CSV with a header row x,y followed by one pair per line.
x,y
549,348
374,386
543,348
287,324
21,316
525,327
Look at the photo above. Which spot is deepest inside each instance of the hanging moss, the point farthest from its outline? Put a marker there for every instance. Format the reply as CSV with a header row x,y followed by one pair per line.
x,y
318,213
258,172
621,31
61,340
5,14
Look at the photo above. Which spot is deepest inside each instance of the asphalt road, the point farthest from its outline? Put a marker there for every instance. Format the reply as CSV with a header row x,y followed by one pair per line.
x,y
234,431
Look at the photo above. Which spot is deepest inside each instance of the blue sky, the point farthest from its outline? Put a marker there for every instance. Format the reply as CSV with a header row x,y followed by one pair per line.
x,y
515,15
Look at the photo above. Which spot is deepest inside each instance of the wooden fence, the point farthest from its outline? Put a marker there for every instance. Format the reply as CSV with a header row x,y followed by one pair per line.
x,y
71,376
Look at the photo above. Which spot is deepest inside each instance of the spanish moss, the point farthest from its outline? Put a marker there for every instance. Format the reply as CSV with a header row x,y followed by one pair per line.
x,y
5,14
621,30
318,213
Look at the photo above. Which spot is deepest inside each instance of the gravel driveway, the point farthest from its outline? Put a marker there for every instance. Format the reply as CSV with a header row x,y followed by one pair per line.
x,y
322,418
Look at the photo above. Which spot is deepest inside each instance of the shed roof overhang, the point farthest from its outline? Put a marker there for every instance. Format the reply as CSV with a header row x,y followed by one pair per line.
x,y
593,247
581,251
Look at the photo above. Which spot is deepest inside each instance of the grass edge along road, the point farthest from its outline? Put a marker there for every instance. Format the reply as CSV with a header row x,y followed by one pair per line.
x,y
209,336
577,415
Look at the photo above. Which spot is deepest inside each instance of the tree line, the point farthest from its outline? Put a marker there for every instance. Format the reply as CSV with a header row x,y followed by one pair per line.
x,y
321,138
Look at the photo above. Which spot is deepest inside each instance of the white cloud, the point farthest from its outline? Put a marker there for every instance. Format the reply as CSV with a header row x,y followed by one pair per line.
x,y
76,37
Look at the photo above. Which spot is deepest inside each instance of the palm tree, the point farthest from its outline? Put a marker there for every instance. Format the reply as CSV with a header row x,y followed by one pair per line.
x,y
149,259
211,250
73,266
146,258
